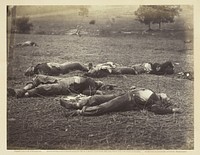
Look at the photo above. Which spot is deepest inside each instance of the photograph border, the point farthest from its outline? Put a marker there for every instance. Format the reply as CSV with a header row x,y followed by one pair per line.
x,y
3,79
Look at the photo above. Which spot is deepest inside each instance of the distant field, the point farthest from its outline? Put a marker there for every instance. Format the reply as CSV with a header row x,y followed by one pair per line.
x,y
58,20
39,123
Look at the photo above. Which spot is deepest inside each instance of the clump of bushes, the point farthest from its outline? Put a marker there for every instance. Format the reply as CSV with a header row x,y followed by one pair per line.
x,y
23,25
92,22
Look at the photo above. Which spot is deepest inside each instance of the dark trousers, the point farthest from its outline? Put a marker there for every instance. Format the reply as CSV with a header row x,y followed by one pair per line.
x,y
108,104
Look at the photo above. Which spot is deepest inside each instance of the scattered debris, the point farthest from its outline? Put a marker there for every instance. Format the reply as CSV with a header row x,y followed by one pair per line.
x,y
187,41
186,75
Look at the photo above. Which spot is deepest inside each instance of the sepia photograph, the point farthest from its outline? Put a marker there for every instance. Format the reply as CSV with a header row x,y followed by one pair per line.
x,y
100,77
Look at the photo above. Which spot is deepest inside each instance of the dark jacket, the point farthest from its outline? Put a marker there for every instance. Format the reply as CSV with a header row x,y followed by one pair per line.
x,y
162,69
153,103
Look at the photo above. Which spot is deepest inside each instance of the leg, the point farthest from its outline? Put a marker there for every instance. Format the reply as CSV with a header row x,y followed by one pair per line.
x,y
127,70
81,67
116,104
95,100
40,79
97,73
86,101
67,67
47,90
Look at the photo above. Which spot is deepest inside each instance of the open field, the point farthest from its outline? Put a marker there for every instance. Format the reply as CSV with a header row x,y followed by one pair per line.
x,y
59,20
39,122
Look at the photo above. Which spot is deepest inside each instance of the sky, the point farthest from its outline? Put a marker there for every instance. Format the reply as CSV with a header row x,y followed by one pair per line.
x,y
46,10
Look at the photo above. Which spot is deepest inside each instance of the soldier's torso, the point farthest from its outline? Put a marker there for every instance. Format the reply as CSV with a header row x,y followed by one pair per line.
x,y
142,68
142,95
51,69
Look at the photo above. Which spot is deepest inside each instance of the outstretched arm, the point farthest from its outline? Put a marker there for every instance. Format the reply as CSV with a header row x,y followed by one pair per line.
x,y
108,87
161,110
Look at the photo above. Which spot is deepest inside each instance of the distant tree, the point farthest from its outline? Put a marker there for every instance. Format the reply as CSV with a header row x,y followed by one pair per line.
x,y
23,25
92,22
83,11
157,14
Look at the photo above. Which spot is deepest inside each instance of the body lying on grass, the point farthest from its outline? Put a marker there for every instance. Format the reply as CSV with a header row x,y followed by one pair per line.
x,y
135,99
105,69
43,85
26,43
54,69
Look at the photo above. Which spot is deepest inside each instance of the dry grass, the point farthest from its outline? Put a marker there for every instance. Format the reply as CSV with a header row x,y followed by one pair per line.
x,y
39,123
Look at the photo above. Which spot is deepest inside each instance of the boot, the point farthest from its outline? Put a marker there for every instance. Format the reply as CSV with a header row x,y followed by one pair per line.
x,y
20,93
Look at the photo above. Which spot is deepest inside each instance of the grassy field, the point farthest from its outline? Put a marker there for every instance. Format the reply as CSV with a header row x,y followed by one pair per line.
x,y
39,122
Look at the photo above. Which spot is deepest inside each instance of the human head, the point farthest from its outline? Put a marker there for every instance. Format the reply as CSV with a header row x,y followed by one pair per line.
x,y
90,66
156,67
163,97
98,84
91,73
29,71
132,87
34,44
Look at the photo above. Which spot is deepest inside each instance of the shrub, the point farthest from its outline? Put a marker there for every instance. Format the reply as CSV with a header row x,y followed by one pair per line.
x,y
23,25
92,22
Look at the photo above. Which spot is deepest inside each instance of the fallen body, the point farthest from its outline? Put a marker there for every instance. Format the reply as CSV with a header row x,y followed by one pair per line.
x,y
43,85
108,68
54,69
26,43
135,99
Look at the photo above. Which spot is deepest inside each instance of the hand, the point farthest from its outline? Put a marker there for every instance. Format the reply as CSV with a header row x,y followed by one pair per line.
x,y
98,92
132,87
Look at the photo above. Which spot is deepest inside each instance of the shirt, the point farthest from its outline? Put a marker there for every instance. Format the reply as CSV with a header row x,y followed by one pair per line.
x,y
142,68
145,98
105,66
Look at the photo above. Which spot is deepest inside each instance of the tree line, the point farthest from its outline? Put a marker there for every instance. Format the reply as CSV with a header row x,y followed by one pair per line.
x,y
157,14
145,14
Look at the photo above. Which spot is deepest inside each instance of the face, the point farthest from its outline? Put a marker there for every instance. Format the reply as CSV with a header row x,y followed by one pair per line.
x,y
90,66
92,71
163,97
99,84
29,71
157,68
